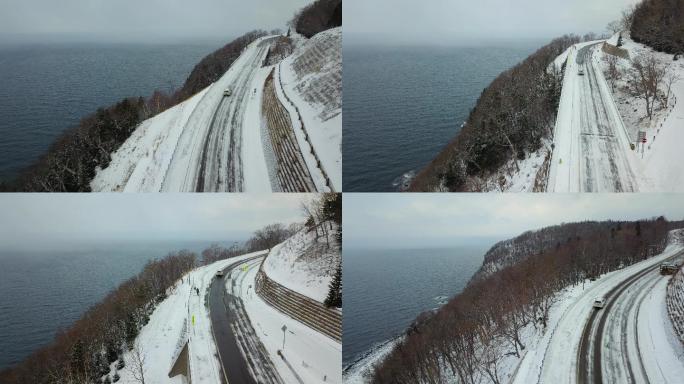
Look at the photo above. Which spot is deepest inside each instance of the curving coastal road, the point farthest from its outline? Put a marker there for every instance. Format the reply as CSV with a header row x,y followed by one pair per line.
x,y
243,359
621,343
609,350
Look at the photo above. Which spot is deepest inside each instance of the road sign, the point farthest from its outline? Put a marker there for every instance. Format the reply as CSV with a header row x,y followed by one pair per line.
x,y
284,328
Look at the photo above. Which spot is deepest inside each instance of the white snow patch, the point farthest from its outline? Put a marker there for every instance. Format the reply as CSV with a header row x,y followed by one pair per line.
x,y
304,264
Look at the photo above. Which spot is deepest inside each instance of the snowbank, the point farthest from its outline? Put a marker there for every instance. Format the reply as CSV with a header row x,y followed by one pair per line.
x,y
304,264
134,166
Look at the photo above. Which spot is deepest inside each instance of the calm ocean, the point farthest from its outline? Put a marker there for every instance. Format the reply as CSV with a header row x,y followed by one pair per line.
x,y
41,292
402,105
45,89
384,290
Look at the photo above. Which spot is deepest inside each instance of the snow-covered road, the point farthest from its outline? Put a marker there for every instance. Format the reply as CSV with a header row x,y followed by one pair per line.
x,y
242,356
591,147
611,342
616,344
209,157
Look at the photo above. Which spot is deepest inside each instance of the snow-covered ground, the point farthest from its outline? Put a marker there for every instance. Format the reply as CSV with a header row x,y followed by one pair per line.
x,y
211,142
304,264
359,372
312,79
661,167
311,356
181,316
527,175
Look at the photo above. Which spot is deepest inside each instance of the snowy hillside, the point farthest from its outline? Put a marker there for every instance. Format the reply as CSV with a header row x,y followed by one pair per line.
x,y
218,140
312,80
304,264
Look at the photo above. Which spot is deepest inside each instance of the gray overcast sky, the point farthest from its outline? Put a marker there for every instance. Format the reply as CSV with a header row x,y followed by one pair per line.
x,y
447,22
40,221
139,20
415,220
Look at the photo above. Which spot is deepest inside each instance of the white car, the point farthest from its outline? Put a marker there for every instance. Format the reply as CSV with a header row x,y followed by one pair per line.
x,y
219,273
580,72
228,92
599,303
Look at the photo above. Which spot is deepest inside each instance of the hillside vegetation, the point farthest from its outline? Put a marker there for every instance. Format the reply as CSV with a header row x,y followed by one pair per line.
x,y
510,119
660,25
468,336
318,16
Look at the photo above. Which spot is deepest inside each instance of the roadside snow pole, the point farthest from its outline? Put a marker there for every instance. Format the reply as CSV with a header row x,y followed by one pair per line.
x,y
284,328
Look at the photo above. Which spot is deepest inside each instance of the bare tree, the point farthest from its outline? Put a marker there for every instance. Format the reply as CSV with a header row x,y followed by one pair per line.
x,y
671,77
627,18
613,70
614,26
138,367
646,77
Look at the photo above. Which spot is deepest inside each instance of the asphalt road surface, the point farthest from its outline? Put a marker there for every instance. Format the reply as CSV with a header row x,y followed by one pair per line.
x,y
234,334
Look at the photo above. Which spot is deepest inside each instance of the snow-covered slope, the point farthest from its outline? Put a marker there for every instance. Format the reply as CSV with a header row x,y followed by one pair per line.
x,y
214,142
304,264
661,167
309,356
167,152
172,323
312,79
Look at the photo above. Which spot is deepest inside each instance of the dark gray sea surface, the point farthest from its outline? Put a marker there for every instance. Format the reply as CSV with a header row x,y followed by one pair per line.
x,y
41,292
384,290
402,105
46,89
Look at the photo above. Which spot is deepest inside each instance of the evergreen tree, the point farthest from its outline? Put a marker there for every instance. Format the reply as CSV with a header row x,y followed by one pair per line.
x,y
334,298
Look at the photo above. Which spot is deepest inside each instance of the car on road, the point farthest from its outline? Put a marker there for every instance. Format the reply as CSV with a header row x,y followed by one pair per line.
x,y
580,72
219,273
668,268
228,92
599,303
